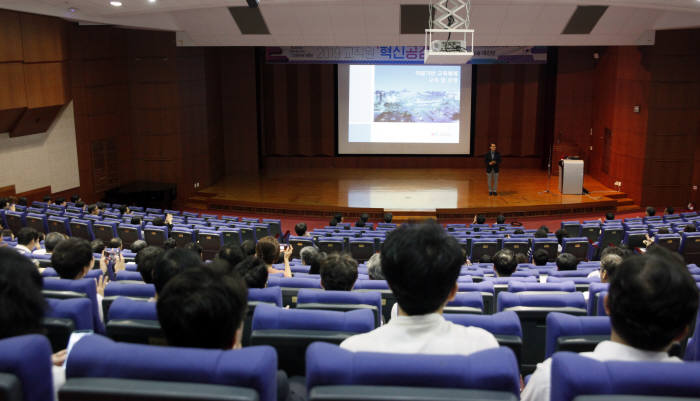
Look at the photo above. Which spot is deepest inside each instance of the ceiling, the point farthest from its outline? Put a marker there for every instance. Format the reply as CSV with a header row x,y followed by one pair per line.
x,y
376,22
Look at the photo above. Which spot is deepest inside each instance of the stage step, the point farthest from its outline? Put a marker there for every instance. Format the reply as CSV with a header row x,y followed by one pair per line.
x,y
616,195
625,201
197,202
628,208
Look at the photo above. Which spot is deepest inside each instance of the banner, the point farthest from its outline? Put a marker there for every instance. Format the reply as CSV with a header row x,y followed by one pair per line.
x,y
398,55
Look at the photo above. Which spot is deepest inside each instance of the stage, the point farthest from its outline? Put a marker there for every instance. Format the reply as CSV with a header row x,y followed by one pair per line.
x,y
439,193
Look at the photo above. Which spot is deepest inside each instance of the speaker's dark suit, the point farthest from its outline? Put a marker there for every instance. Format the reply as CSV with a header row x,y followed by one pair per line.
x,y
496,157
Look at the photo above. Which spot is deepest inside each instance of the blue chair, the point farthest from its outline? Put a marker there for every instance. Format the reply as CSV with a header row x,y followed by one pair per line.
x,y
574,376
342,301
517,245
122,288
575,333
331,245
577,246
692,350
37,221
335,373
590,231
105,230
290,331
466,302
25,368
126,275
690,247
611,235
182,236
59,224
15,220
129,233
257,296
290,287
211,242
594,298
155,235
548,244
82,288
100,368
529,287
231,236
485,289
672,242
483,246
505,326
532,309
361,249
82,228
134,321
381,286
573,228
298,243
63,316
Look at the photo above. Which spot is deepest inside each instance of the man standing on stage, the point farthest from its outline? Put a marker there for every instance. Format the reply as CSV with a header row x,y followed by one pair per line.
x,y
493,160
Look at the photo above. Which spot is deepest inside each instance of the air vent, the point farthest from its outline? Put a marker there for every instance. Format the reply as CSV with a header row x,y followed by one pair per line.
x,y
414,18
584,20
249,20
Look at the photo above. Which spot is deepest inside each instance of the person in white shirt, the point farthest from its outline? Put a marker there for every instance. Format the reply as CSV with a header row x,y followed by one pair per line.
x,y
651,302
27,240
52,239
421,264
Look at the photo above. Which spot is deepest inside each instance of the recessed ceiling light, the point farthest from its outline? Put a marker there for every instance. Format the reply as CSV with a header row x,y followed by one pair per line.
x,y
153,1
115,3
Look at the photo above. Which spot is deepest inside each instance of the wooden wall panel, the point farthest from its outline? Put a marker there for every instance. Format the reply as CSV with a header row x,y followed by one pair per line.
x,y
44,38
46,84
11,34
12,90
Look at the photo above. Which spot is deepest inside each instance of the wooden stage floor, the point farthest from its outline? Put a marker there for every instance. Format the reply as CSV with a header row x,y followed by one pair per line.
x,y
404,192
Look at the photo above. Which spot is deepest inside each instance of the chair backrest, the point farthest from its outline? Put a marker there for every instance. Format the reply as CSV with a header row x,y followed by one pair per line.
x,y
86,287
298,243
577,246
485,288
548,244
573,228
594,298
26,360
505,326
59,224
575,333
330,367
96,357
690,247
134,321
230,235
37,221
483,246
82,228
182,236
590,231
331,244
466,302
361,249
574,375
290,331
15,220
104,230
211,242
129,233
671,242
342,301
529,287
155,235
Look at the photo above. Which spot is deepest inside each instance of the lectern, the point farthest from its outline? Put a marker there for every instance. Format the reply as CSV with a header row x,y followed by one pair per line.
x,y
571,177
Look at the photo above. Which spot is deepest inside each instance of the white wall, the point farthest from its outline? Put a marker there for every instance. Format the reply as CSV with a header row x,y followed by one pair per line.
x,y
39,160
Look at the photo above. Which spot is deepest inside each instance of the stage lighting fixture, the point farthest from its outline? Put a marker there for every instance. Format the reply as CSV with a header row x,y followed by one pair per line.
x,y
115,3
253,3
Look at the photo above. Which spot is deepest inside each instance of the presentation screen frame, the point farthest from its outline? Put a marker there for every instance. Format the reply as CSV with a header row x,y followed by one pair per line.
x,y
467,124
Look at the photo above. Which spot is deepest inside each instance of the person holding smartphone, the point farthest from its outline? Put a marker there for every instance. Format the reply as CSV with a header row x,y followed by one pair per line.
x,y
268,249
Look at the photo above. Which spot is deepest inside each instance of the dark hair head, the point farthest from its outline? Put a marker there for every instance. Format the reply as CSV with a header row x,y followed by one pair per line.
x,y
651,211
333,222
122,209
173,262
621,251
3,203
663,230
138,245
388,217
267,249
115,242
80,204
169,243
504,262
669,210
500,219
136,220
74,198
22,201
202,309
540,257
71,257
689,228
485,258
338,272
540,233
92,208
518,231
248,247
359,223
47,198
364,217
97,246
566,261
20,295
233,254
544,228
194,247
146,260
253,271
300,229
421,264
26,235
315,262
158,222
7,233
480,219
609,216
652,299
338,217
561,234
60,201
521,258
52,239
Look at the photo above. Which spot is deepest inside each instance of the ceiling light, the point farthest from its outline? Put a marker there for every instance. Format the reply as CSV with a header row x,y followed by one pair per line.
x,y
151,1
72,10
115,3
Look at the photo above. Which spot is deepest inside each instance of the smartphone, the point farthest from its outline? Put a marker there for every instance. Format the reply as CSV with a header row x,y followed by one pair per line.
x,y
74,337
282,247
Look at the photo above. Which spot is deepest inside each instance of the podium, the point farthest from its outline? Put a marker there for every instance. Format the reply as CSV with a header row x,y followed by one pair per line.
x,y
571,177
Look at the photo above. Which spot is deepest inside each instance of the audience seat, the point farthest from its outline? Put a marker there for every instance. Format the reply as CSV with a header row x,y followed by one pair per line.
x,y
336,374
505,326
134,321
534,288
465,302
59,224
290,287
25,369
517,245
290,331
99,368
485,289
82,288
594,298
257,296
548,244
211,242
361,249
381,286
690,247
82,228
63,316
155,235
331,245
342,301
105,230
129,233
298,243
572,228
692,350
123,289
591,231
483,246
15,220
231,236
574,376
575,333
38,222
610,235
532,309
577,246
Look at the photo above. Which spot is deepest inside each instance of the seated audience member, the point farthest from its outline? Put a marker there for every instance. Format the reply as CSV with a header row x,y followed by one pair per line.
x,y
97,246
566,261
248,247
312,257
27,240
52,239
136,220
22,201
540,233
333,222
652,301
75,198
194,247
485,258
124,210
609,216
560,234
146,260
81,205
172,263
23,305
233,254
359,223
374,267
338,218
364,217
608,266
138,245
544,228
689,228
253,271
47,199
421,264
338,272
388,217
115,243
651,211
93,210
479,219
60,202
521,258
518,231
268,249
169,243
669,210
159,222
620,251
300,230
7,233
540,257
504,263
500,219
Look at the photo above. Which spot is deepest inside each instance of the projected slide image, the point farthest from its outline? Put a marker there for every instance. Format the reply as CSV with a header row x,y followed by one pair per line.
x,y
420,94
